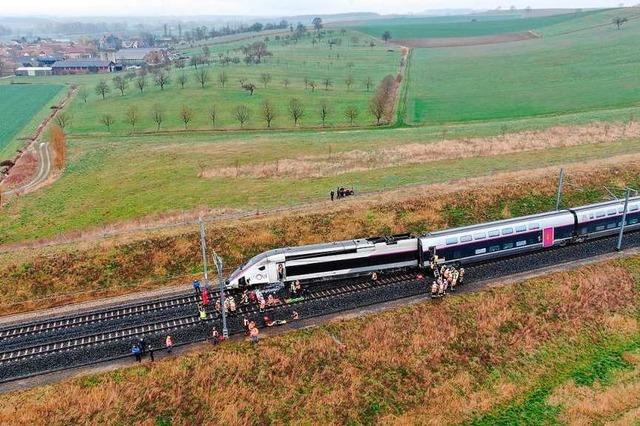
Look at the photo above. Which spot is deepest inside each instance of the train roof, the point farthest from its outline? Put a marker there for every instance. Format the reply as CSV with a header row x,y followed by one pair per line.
x,y
497,223
606,204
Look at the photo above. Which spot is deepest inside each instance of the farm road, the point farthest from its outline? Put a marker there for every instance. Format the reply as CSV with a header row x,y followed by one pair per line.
x,y
44,168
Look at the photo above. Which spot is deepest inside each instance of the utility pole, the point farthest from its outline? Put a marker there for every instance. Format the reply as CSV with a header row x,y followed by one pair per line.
x,y
203,246
560,184
624,218
218,262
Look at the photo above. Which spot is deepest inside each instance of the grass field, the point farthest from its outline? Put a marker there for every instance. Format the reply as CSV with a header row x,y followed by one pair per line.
x,y
557,74
292,62
96,188
18,104
539,352
461,26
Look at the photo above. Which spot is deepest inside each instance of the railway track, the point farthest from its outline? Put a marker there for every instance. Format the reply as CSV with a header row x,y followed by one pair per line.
x,y
54,352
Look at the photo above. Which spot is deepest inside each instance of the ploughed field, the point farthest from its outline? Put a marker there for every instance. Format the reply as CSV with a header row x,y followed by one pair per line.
x,y
18,106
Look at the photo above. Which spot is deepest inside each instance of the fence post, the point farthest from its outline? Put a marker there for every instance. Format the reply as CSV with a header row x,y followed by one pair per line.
x,y
560,184
624,219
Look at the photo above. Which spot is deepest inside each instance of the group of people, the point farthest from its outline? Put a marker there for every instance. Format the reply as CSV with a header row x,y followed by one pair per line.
x,y
251,328
446,278
141,348
341,192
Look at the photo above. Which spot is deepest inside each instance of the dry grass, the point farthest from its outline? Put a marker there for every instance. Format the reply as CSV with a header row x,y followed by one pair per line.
x,y
397,367
618,403
358,160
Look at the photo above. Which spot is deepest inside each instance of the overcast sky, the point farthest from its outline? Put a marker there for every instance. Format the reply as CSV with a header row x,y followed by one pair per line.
x,y
263,7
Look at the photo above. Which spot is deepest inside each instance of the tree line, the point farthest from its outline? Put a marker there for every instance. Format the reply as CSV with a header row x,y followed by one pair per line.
x,y
295,110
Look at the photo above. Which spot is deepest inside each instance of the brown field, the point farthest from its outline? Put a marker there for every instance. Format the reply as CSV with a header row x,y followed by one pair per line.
x,y
470,354
358,160
91,267
465,41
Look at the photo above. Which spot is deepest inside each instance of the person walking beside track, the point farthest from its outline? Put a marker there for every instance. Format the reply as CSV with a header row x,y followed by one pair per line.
x,y
169,344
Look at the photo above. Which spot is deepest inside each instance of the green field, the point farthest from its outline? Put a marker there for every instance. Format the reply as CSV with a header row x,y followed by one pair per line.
x,y
18,104
592,69
461,26
294,62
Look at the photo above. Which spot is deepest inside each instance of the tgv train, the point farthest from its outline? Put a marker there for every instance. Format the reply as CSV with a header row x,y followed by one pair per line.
x,y
461,246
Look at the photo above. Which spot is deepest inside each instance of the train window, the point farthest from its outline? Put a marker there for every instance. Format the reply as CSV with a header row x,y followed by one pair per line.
x,y
521,243
465,238
600,228
632,221
611,212
507,231
534,226
494,233
601,213
262,268
591,216
494,248
480,236
621,209
612,225
521,228
507,246
481,251
452,240
633,208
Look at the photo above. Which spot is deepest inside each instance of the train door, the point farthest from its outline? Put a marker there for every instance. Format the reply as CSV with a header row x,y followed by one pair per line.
x,y
420,255
282,271
548,236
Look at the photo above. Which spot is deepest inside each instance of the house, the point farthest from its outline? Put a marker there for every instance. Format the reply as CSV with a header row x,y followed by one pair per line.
x,y
142,57
82,66
33,71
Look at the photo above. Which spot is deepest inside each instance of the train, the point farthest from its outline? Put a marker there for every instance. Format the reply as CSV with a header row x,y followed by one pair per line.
x,y
459,246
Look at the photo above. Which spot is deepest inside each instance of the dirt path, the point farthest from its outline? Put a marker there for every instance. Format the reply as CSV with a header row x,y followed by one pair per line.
x,y
467,41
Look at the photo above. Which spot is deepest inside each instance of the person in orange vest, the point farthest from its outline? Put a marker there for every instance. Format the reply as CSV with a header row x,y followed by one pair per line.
x,y
169,344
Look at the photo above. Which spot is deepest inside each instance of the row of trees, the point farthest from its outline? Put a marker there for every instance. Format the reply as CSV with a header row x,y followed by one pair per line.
x,y
203,77
296,111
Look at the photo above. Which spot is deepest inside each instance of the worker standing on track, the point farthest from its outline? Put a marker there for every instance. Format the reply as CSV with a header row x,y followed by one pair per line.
x,y
135,350
205,296
196,287
150,351
202,313
461,277
434,289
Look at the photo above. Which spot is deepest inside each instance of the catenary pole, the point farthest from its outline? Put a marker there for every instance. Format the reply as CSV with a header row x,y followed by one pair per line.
x,y
560,184
624,218
218,262
203,246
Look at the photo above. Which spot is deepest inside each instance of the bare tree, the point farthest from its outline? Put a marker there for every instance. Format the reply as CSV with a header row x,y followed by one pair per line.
x,y
296,109
158,116
83,94
162,80
265,77
107,120
313,85
213,115
63,120
179,64
249,87
386,36
195,61
120,84
377,107
324,111
349,82
241,113
286,83
618,21
223,78
327,83
141,83
202,76
351,112
268,112
182,80
186,115
102,89
368,83
132,117
306,82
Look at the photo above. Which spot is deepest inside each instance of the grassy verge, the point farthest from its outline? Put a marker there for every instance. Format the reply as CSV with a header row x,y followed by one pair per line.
x,y
39,278
478,355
